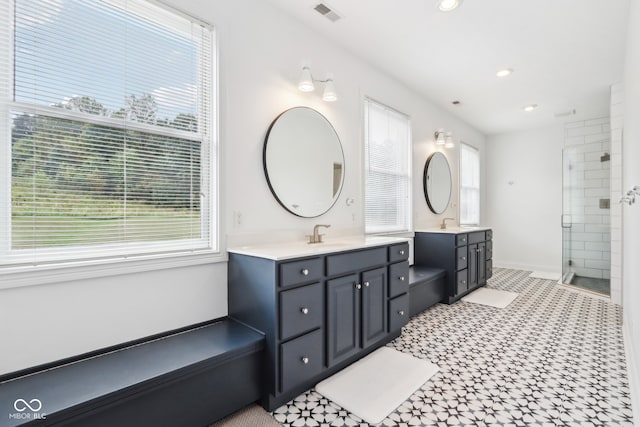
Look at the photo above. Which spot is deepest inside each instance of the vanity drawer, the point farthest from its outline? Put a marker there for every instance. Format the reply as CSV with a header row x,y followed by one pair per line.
x,y
489,249
489,268
295,272
461,282
358,260
398,312
461,239
489,234
475,237
398,278
399,252
461,258
301,359
301,310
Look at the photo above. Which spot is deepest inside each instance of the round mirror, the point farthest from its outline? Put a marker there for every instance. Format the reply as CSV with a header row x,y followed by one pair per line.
x,y
303,162
437,182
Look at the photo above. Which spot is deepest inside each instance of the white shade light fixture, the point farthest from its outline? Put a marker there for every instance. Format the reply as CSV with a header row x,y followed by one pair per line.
x,y
306,81
448,140
448,5
305,84
530,108
443,138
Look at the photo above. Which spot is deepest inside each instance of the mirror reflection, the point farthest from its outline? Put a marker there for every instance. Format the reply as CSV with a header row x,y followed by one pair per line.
x,y
304,162
437,182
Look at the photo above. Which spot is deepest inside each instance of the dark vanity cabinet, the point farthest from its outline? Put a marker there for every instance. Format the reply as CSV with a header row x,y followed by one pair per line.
x,y
319,313
466,257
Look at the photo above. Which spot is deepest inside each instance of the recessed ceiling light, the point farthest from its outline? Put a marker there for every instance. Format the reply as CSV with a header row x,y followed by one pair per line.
x,y
504,72
530,108
448,5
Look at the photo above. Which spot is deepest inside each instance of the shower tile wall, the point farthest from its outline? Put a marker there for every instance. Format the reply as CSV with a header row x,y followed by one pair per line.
x,y
617,120
586,193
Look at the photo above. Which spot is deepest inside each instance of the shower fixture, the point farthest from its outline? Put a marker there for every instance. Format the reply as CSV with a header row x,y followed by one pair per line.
x,y
630,197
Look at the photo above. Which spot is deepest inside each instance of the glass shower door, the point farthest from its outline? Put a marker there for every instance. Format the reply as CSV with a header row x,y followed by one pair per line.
x,y
585,217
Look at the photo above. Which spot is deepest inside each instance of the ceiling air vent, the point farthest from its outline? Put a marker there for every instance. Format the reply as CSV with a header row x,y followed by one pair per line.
x,y
327,12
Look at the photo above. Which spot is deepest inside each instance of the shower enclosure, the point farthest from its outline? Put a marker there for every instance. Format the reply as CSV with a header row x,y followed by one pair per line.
x,y
586,238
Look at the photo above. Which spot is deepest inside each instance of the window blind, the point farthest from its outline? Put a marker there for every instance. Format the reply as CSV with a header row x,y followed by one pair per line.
x,y
469,185
387,169
107,127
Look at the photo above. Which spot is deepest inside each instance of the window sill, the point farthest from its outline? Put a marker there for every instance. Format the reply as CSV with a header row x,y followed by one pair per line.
x,y
46,274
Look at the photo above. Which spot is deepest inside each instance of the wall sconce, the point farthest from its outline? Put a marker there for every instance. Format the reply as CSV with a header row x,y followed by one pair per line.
x,y
443,137
306,85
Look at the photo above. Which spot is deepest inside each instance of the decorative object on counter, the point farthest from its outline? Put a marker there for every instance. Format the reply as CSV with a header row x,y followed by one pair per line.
x,y
491,297
437,182
443,137
306,85
303,162
376,385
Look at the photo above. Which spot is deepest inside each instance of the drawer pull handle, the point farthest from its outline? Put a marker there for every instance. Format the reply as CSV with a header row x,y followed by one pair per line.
x,y
401,278
358,286
305,271
401,312
464,258
304,310
402,252
366,284
305,360
464,282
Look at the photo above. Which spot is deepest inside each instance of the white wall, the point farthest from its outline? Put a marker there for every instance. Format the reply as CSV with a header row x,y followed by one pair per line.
x,y
261,58
261,52
631,214
524,198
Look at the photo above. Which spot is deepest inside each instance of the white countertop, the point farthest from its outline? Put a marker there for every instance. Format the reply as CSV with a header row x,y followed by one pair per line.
x,y
452,230
289,250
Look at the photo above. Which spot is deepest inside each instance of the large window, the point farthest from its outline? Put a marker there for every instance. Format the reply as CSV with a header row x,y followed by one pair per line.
x,y
107,127
387,148
469,185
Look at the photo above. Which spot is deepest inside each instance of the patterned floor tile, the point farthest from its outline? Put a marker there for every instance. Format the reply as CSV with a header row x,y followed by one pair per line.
x,y
553,357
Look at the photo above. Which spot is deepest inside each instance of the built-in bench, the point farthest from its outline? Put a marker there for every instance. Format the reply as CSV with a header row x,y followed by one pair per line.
x,y
190,378
427,286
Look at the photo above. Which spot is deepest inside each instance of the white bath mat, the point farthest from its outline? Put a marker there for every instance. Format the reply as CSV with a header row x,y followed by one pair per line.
x,y
547,275
376,385
492,297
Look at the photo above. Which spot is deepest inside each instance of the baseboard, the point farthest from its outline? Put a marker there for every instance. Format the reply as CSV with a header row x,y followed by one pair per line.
x,y
526,267
632,372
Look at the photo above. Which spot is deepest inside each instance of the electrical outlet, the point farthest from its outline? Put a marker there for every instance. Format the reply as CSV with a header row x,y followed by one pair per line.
x,y
237,218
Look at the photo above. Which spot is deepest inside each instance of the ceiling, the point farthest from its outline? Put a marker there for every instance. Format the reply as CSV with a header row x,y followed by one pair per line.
x,y
564,53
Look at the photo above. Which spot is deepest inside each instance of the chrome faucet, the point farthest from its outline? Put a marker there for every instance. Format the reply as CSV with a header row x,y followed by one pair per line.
x,y
315,237
443,224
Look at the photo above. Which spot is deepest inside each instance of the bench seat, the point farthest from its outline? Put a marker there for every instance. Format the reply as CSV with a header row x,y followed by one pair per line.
x,y
189,378
426,288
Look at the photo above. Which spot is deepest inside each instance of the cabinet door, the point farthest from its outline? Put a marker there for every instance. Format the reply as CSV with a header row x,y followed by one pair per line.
x,y
374,305
482,264
473,266
343,318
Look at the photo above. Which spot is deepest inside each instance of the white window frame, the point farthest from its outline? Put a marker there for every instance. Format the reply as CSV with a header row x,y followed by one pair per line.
x,y
112,264
477,189
407,173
